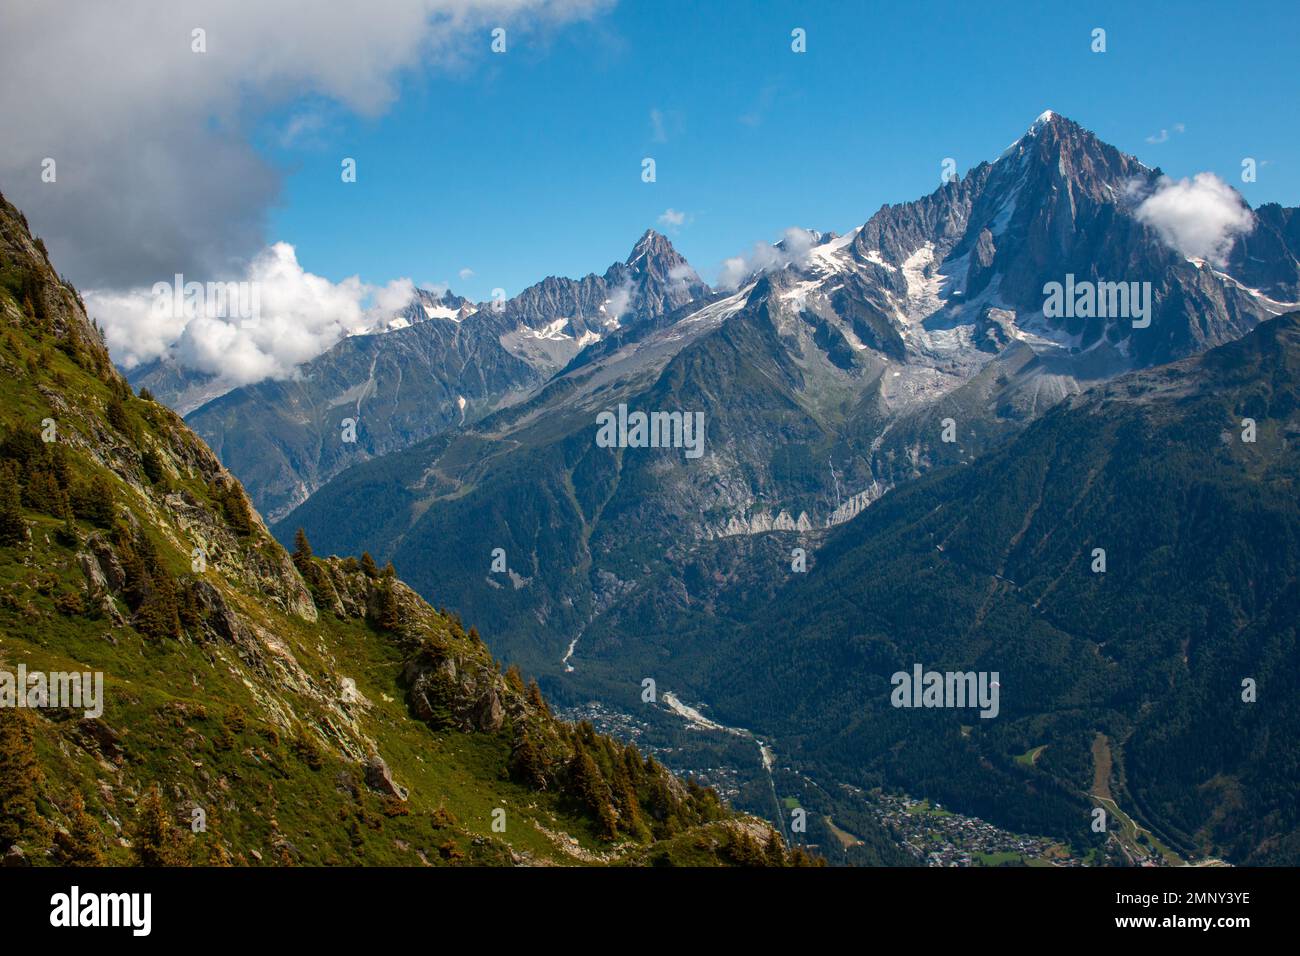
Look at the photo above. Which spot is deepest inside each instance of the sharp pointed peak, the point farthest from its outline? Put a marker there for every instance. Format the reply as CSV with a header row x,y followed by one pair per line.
x,y
1046,116
654,245
1051,128
650,240
1050,119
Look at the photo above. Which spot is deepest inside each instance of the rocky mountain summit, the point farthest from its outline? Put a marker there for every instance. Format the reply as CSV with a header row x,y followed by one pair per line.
x,y
852,365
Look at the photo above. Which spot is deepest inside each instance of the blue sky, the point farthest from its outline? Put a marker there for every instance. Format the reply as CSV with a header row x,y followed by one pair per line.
x,y
528,164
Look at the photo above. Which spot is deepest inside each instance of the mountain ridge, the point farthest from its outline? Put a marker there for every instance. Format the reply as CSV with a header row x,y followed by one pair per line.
x,y
427,371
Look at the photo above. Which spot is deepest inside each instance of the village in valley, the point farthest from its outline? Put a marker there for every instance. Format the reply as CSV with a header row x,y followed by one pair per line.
x,y
932,834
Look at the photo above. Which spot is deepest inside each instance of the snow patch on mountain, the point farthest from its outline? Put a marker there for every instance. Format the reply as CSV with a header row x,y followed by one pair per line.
x,y
832,255
553,331
875,258
923,285
442,312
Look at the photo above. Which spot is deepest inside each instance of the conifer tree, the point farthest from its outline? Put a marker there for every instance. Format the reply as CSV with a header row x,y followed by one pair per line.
x,y
12,527
42,491
237,511
515,679
632,761
213,844
368,566
662,806
20,776
590,789
526,763
629,807
386,611
302,552
158,615
84,845
774,852
67,534
534,692
152,464
95,502
799,858
117,416
745,851
155,840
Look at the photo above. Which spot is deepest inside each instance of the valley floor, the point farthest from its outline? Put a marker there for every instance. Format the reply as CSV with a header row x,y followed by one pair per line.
x,y
929,834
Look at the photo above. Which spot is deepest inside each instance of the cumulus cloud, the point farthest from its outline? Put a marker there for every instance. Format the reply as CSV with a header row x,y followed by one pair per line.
x,y
792,249
297,316
1199,217
465,274
618,303
156,171
672,218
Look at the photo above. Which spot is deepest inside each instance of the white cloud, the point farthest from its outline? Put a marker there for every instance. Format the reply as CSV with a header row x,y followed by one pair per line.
x,y
618,302
303,129
300,315
792,249
465,274
682,275
1163,135
156,168
1199,217
672,218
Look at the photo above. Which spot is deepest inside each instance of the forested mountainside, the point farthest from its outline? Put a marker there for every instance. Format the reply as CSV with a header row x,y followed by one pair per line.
x,y
1127,567
260,707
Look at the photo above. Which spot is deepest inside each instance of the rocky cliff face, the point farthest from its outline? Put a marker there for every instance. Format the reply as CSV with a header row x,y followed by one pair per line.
x,y
654,279
1265,259
257,708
